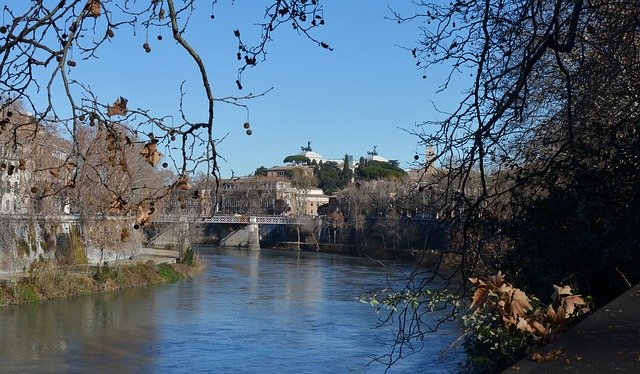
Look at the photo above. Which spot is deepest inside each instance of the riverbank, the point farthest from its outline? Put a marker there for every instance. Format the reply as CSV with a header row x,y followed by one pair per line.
x,y
45,280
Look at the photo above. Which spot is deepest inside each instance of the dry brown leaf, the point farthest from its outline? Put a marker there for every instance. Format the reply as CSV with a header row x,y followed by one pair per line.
x,y
558,317
94,8
569,303
502,305
496,280
183,184
151,154
519,304
506,288
143,218
115,207
540,328
124,234
560,291
523,325
118,108
537,357
479,297
552,315
476,281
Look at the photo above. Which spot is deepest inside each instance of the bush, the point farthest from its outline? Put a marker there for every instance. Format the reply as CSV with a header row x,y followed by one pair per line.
x,y
188,257
169,273
105,273
504,321
27,292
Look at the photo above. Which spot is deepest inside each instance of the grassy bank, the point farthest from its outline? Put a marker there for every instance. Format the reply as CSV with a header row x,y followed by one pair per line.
x,y
45,280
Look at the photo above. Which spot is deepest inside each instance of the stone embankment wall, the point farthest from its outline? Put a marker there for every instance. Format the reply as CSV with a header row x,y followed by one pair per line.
x,y
68,241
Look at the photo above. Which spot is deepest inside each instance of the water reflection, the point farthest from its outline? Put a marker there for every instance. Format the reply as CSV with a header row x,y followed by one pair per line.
x,y
250,311
96,332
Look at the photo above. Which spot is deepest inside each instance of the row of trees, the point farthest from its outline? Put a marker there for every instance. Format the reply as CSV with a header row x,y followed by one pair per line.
x,y
376,206
331,177
114,176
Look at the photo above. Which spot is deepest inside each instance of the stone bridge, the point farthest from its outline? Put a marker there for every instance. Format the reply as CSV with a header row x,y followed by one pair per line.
x,y
248,236
175,231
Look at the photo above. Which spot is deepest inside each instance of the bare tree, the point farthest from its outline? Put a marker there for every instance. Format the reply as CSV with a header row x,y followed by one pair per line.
x,y
541,142
43,41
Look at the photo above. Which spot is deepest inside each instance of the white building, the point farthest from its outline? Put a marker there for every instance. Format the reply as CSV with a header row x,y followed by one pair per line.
x,y
14,199
374,156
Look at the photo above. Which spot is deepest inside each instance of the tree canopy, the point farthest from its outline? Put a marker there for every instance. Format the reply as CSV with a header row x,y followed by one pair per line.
x,y
370,170
261,170
330,177
297,160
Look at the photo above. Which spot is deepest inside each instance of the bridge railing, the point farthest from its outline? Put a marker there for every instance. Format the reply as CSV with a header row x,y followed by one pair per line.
x,y
234,218
67,218
170,218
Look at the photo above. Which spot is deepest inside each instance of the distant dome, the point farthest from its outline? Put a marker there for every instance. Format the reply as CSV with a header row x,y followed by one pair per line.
x,y
373,156
377,158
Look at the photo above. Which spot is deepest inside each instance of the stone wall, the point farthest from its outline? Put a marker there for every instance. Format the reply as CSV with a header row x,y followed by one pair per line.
x,y
69,242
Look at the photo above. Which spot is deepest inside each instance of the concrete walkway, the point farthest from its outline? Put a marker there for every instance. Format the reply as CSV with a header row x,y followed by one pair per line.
x,y
608,341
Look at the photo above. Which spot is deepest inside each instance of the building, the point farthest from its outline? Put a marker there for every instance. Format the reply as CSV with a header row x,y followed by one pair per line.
x,y
273,194
316,158
310,200
288,171
374,156
27,151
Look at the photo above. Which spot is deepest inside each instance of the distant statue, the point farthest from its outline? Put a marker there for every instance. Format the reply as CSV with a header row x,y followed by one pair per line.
x,y
307,148
374,152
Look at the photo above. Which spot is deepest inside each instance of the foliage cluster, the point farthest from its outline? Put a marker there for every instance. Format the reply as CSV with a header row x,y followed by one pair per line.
x,y
188,257
505,322
373,169
331,178
297,160
501,322
169,273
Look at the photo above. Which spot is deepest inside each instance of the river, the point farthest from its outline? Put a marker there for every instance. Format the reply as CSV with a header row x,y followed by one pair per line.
x,y
249,312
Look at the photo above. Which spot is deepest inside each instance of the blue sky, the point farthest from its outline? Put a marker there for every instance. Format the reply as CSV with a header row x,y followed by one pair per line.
x,y
344,101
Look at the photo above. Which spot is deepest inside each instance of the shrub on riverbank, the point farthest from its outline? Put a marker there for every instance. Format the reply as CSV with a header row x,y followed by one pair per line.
x,y
504,322
46,280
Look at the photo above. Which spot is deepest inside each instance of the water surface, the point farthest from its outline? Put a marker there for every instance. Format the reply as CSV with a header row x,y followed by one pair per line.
x,y
249,311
